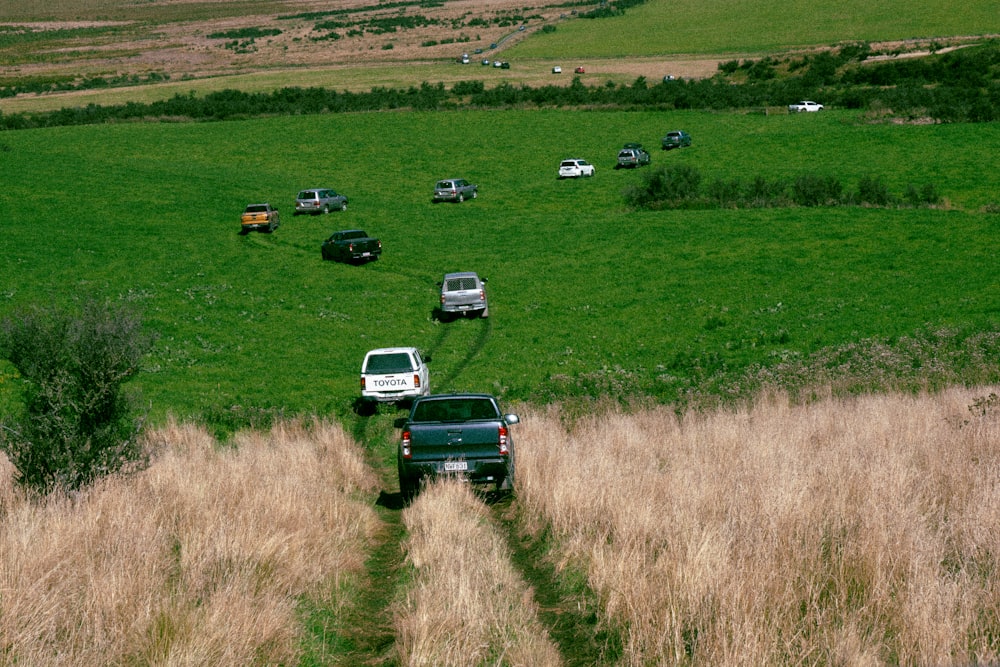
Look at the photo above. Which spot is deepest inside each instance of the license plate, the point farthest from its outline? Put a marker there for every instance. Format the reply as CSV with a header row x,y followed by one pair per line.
x,y
455,466
366,254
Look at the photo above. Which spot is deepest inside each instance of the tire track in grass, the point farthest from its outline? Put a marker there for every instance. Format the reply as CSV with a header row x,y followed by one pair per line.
x,y
476,345
570,615
366,632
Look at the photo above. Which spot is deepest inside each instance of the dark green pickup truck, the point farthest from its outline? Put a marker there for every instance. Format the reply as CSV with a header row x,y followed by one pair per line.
x,y
351,245
464,435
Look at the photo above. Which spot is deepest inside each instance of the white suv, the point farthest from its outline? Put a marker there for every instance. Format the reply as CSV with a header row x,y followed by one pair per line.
x,y
574,168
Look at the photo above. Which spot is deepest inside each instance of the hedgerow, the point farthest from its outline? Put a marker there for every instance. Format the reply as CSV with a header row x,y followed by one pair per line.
x,y
917,91
680,186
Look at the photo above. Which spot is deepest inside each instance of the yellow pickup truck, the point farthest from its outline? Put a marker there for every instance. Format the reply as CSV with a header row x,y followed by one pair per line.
x,y
260,218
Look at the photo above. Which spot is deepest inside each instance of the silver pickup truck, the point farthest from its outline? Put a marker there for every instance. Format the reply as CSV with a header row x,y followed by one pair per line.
x,y
464,293
464,435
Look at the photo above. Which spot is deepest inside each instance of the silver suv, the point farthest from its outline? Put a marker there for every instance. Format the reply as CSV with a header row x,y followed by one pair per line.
x,y
632,155
455,189
319,200
464,293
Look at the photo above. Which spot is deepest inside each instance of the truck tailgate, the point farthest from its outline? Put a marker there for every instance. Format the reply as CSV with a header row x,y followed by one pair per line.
x,y
441,441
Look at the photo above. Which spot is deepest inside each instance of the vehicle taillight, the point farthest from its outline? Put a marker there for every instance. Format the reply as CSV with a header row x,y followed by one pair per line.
x,y
482,295
416,380
502,444
363,382
350,247
405,445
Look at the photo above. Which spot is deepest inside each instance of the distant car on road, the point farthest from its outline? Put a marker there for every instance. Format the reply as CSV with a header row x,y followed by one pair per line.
x,y
804,105
574,168
580,70
455,189
464,293
676,139
632,155
319,200
557,70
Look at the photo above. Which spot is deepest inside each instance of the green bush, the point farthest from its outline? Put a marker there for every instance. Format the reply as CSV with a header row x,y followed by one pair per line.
x,y
816,190
673,186
77,424
872,190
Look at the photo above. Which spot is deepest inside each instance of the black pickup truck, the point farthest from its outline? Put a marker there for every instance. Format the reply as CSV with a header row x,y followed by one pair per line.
x,y
465,435
351,245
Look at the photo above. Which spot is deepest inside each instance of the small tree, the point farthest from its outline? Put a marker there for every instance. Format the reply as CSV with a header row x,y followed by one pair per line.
x,y
77,424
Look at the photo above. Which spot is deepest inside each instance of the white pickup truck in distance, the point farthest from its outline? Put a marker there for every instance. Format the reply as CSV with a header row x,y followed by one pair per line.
x,y
391,374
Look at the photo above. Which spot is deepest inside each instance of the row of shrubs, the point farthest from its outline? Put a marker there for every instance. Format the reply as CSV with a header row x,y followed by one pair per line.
x,y
930,93
681,186
29,85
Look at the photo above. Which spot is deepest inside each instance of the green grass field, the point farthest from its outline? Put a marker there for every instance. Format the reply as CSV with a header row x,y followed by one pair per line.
x,y
579,285
690,26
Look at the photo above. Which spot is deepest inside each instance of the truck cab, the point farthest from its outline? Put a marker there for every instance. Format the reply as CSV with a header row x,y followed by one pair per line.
x,y
392,374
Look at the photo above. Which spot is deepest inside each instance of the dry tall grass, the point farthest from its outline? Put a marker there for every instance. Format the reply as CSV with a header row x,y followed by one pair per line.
x,y
199,560
849,532
466,604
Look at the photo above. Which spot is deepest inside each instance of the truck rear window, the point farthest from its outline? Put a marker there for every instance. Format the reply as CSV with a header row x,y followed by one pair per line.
x,y
457,284
459,409
398,362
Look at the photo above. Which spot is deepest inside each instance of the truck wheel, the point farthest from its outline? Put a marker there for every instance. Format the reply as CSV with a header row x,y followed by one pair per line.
x,y
461,198
326,209
343,207
507,485
407,489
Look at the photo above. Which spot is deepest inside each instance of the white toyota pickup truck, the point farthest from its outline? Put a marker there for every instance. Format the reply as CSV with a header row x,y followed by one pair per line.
x,y
391,374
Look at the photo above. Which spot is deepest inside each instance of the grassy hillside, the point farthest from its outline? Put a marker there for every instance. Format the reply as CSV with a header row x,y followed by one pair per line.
x,y
731,26
587,296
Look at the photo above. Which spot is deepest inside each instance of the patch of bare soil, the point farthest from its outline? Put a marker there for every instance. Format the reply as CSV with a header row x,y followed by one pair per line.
x,y
185,50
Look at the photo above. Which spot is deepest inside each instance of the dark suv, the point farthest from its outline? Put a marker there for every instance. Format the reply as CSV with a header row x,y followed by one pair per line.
x,y
676,139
